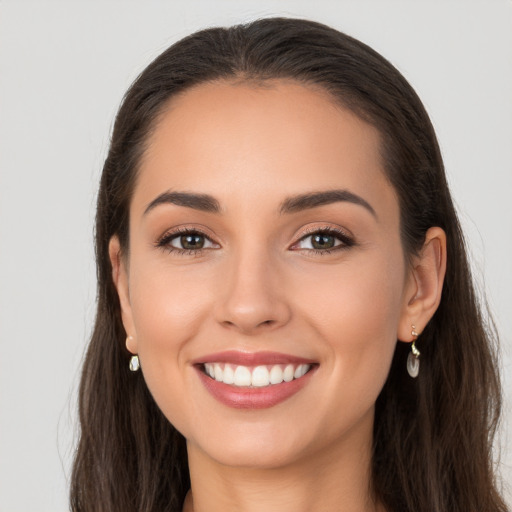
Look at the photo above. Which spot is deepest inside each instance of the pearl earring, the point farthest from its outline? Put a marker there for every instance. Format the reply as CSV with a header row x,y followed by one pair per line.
x,y
134,360
134,363
413,359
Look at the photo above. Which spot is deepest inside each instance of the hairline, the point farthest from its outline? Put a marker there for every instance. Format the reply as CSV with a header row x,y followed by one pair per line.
x,y
349,102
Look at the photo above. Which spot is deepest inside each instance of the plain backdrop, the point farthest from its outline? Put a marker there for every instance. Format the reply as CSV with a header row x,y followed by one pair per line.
x,y
64,67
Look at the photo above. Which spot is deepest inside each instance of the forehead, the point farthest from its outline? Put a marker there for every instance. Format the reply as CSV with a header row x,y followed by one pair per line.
x,y
243,140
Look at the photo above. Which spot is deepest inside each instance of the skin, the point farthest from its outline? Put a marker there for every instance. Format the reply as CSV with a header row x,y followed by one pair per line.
x,y
258,286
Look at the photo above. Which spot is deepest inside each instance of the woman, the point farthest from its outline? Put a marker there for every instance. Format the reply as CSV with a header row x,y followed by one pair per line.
x,y
281,268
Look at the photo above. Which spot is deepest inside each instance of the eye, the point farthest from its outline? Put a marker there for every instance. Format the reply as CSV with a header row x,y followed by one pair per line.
x,y
324,240
186,241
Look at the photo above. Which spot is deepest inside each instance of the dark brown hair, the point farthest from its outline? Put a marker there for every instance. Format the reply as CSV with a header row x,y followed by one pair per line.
x,y
432,435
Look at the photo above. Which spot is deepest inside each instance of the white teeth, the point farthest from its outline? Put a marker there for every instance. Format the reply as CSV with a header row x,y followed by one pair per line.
x,y
242,376
288,373
300,371
276,375
209,369
218,374
259,376
229,374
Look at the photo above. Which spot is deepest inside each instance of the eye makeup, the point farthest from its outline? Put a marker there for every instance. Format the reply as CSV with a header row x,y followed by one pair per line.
x,y
194,242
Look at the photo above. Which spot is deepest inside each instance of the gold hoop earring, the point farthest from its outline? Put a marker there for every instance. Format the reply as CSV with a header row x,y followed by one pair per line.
x,y
413,359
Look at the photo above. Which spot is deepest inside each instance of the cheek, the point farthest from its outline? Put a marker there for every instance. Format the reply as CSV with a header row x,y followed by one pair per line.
x,y
167,304
169,308
356,315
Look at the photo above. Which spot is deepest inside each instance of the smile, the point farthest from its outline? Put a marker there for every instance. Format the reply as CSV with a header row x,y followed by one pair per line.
x,y
258,376
260,380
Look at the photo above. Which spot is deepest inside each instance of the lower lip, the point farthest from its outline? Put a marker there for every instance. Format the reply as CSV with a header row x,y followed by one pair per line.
x,y
253,398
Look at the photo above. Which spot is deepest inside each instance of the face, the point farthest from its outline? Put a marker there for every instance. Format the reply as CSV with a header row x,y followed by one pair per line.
x,y
265,284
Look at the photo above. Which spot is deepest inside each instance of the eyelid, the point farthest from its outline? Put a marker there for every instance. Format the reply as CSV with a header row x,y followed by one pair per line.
x,y
346,238
178,236
325,228
163,242
342,235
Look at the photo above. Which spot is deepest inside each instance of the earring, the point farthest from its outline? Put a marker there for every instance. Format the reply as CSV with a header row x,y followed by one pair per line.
x,y
413,359
134,363
134,360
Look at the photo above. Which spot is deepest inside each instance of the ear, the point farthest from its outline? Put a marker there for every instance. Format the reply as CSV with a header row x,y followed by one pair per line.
x,y
424,285
120,278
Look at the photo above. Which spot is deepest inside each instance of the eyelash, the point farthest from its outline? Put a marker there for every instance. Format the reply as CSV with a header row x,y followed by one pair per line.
x,y
346,241
165,241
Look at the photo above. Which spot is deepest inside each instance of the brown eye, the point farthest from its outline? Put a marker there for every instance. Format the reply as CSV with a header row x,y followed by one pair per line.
x,y
186,241
191,241
323,241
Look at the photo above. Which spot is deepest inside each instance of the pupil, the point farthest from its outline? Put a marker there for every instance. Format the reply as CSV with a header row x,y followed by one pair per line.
x,y
192,241
323,241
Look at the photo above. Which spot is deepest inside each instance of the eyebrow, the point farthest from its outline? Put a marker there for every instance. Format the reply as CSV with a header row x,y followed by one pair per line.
x,y
202,202
207,203
315,199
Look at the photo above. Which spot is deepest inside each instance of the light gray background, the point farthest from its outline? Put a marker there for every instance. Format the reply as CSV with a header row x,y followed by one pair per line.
x,y
63,69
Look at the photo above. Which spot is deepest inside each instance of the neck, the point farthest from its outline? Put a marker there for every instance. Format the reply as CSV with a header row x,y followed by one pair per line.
x,y
337,479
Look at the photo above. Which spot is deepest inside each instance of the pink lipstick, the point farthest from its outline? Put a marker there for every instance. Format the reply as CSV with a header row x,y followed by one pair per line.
x,y
258,380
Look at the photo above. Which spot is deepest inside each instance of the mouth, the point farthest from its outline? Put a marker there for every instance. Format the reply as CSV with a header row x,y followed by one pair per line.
x,y
254,380
256,376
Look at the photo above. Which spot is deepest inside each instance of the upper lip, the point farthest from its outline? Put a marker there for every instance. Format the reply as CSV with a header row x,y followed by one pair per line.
x,y
251,358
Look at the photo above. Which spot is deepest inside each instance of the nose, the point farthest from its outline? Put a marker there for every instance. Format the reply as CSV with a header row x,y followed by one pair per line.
x,y
253,296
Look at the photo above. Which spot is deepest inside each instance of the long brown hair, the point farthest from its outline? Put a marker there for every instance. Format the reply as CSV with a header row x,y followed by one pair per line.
x,y
432,435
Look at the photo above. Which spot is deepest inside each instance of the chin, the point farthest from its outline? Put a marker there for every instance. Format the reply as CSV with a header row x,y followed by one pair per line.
x,y
262,447
252,456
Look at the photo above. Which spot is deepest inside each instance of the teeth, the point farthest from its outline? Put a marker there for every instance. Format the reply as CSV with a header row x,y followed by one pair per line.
x,y
229,375
300,371
276,375
218,374
259,376
209,369
242,376
288,373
